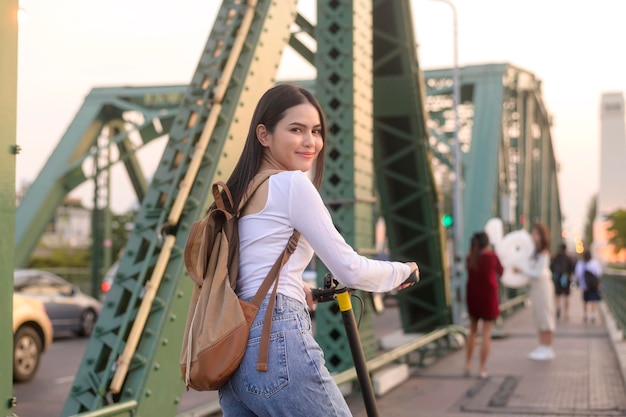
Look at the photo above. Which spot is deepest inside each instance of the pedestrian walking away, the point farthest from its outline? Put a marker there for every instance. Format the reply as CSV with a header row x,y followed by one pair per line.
x,y
483,269
537,268
288,133
562,267
588,272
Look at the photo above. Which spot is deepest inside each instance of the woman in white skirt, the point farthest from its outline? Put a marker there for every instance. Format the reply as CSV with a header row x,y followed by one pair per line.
x,y
541,293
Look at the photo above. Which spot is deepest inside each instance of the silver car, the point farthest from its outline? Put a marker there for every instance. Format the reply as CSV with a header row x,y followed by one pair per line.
x,y
68,308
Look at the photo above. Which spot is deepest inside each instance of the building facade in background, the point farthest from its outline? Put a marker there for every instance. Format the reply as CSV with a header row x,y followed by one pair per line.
x,y
71,226
612,190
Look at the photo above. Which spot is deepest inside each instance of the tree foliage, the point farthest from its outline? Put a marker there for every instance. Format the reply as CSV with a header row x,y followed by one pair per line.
x,y
121,226
592,210
62,258
618,229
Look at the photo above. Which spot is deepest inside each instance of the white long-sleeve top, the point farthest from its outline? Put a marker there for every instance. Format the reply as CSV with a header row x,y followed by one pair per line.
x,y
592,266
294,203
538,267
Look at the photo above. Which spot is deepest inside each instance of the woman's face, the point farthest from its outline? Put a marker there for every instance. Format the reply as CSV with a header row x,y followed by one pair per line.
x,y
296,141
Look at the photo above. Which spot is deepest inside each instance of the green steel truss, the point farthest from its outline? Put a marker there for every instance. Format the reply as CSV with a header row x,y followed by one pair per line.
x,y
344,88
402,157
237,65
509,166
137,115
403,177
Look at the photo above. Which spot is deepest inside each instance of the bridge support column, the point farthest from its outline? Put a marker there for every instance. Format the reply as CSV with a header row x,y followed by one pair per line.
x,y
344,89
8,116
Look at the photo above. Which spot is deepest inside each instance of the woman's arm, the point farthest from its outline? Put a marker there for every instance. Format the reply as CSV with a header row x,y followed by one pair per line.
x,y
534,269
579,272
311,218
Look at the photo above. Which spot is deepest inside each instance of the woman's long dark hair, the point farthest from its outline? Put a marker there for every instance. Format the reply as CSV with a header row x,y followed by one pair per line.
x,y
479,242
270,110
544,238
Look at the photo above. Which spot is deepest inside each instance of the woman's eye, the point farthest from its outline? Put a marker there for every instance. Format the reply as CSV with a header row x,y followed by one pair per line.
x,y
296,129
317,132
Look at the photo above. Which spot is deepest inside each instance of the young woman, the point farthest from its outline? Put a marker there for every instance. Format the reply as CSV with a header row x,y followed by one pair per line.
x,y
541,293
483,269
288,133
591,296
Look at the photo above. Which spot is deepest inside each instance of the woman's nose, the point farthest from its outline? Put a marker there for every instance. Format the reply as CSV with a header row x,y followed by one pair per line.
x,y
308,140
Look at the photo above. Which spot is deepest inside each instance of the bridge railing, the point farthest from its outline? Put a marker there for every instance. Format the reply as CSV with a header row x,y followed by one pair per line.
x,y
614,293
511,300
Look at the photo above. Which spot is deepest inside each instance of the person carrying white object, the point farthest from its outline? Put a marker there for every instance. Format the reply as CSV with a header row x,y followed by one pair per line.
x,y
537,268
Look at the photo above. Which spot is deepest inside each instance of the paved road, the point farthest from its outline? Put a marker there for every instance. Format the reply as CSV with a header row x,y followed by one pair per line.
x,y
45,395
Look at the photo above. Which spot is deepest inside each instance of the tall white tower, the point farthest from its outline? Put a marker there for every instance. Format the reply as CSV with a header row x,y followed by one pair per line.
x,y
612,191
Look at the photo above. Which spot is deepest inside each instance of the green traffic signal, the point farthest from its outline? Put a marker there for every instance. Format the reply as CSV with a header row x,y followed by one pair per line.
x,y
447,220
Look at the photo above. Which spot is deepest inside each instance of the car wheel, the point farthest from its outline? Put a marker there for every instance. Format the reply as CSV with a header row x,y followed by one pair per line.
x,y
27,348
87,322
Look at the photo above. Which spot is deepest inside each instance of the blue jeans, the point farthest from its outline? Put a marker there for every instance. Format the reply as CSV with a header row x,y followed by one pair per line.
x,y
297,382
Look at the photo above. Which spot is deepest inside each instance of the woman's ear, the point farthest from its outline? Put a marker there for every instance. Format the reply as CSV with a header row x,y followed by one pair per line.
x,y
262,135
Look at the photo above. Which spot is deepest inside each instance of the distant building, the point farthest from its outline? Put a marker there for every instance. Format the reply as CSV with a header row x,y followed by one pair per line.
x,y
612,192
70,228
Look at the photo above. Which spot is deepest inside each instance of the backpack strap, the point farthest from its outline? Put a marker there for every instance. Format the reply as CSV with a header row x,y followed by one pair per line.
x,y
219,201
272,278
256,182
192,251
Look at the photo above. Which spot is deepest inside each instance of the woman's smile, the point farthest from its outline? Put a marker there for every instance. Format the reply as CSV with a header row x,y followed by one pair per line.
x,y
307,155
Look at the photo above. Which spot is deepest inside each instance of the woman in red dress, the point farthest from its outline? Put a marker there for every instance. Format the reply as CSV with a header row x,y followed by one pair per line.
x,y
483,269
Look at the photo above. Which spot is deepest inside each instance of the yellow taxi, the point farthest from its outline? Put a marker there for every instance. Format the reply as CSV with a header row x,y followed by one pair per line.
x,y
32,335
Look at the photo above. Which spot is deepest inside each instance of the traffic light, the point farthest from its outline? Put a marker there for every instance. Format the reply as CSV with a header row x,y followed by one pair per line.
x,y
447,220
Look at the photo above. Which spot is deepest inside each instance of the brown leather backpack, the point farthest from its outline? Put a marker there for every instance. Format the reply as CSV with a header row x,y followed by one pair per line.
x,y
218,323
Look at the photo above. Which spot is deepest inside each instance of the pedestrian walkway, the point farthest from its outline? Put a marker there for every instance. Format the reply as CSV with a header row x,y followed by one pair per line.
x,y
583,380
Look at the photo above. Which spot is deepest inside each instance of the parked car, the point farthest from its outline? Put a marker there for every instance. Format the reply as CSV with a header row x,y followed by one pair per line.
x,y
32,335
68,308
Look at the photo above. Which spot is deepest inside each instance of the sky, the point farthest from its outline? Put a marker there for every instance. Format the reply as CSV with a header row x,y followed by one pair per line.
x,y
68,47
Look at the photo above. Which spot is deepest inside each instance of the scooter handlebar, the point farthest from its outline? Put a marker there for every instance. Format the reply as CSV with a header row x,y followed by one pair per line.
x,y
412,279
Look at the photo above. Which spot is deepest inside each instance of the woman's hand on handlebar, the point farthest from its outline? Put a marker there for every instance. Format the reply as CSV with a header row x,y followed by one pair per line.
x,y
413,278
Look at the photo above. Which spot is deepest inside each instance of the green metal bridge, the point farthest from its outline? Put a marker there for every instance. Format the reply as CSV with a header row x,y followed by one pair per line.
x,y
388,154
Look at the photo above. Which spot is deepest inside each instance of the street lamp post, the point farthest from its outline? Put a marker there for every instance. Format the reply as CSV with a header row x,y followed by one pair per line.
x,y
457,198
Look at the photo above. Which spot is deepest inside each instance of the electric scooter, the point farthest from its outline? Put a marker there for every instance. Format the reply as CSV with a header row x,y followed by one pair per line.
x,y
332,290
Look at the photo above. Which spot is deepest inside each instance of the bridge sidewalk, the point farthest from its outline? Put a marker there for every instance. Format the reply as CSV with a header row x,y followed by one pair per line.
x,y
584,379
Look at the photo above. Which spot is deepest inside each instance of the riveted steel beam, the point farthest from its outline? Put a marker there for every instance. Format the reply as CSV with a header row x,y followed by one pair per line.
x,y
403,161
344,89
